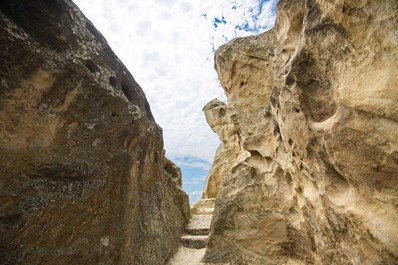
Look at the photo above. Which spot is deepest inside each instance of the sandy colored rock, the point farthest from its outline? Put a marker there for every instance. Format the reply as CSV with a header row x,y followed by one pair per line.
x,y
199,224
188,256
194,241
83,176
204,206
311,128
227,153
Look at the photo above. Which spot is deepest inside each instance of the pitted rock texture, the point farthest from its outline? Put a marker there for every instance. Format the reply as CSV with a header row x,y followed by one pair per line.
x,y
83,176
312,123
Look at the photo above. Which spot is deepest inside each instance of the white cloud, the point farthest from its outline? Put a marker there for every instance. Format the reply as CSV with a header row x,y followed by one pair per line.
x,y
196,192
195,196
191,162
168,47
196,180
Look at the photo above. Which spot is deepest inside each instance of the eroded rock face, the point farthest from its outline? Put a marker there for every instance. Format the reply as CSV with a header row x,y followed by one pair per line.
x,y
83,176
312,175
228,151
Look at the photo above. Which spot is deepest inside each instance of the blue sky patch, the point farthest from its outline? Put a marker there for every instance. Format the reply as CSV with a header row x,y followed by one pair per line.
x,y
245,26
193,181
194,174
219,21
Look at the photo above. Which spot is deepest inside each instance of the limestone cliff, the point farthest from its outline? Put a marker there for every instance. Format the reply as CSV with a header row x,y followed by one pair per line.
x,y
83,173
307,172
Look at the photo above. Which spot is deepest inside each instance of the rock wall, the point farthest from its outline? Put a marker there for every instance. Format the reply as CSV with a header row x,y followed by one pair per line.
x,y
83,173
307,172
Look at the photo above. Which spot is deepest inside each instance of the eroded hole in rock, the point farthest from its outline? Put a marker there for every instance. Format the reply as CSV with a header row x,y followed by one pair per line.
x,y
256,159
290,141
289,80
113,81
288,178
299,190
127,91
222,112
255,153
91,66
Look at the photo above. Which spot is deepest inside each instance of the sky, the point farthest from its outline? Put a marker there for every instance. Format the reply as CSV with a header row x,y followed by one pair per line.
x,y
168,46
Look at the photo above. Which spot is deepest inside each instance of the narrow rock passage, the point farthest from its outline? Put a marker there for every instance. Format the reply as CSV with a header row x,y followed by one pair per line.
x,y
194,240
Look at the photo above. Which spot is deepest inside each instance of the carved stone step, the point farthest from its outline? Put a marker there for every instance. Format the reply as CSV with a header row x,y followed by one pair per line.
x,y
204,206
199,225
194,241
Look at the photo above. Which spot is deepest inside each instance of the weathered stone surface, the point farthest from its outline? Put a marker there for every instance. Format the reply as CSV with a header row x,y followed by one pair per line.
x,y
188,256
83,177
312,172
194,241
228,151
204,206
199,224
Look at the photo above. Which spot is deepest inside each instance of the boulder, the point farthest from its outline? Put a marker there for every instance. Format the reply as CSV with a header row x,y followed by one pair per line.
x,y
83,173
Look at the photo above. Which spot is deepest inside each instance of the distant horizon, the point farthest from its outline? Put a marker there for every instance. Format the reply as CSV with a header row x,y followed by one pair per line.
x,y
170,53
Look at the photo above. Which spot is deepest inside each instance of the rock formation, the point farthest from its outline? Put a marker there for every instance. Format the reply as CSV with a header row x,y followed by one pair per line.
x,y
227,152
307,172
83,173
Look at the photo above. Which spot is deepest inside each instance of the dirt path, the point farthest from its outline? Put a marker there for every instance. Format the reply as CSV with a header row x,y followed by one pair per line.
x,y
188,256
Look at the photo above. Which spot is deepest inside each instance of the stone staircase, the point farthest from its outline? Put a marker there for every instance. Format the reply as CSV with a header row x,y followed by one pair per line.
x,y
197,231
196,235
